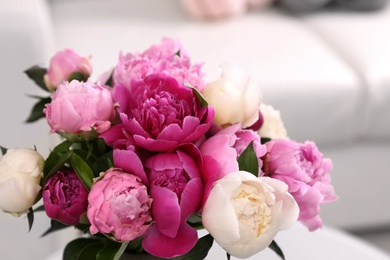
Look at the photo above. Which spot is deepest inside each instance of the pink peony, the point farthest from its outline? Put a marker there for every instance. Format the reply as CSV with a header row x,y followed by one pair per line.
x,y
119,205
228,144
176,188
306,173
77,108
158,114
63,64
65,197
169,57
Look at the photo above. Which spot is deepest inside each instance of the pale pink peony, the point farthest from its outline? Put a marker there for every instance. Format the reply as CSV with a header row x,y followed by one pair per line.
x,y
306,173
79,108
168,57
63,64
119,205
228,144
158,114
65,197
176,187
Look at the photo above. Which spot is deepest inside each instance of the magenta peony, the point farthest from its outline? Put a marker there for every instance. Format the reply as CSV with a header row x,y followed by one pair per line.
x,y
63,64
65,197
80,109
176,187
119,205
168,57
158,114
306,173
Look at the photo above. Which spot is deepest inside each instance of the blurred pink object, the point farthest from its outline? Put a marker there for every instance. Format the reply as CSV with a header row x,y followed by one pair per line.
x,y
218,9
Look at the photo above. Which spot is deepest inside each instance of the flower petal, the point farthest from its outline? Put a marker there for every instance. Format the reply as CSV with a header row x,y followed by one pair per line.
x,y
157,244
165,210
129,162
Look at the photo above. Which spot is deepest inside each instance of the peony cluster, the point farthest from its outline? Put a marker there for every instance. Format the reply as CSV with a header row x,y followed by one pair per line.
x,y
153,152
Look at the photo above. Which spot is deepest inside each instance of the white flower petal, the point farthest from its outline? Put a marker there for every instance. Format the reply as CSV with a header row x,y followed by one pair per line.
x,y
218,216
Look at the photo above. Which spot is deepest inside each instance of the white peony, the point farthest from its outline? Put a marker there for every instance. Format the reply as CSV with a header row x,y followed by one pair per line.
x,y
20,175
244,213
235,97
273,126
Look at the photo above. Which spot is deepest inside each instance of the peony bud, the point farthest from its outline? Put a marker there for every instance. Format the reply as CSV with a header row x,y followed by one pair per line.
x,y
20,175
65,197
235,98
80,110
63,65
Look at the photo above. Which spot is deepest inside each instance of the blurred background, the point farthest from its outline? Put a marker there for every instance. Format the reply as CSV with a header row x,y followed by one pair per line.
x,y
324,64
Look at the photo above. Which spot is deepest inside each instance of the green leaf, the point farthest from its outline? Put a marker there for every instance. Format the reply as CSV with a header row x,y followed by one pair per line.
x,y
55,226
111,250
30,218
200,250
57,165
248,161
102,164
83,170
265,140
37,110
3,150
109,81
274,247
40,208
198,95
195,221
56,156
87,155
36,73
82,248
135,246
77,76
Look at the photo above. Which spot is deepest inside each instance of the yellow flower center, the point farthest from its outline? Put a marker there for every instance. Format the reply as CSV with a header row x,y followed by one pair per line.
x,y
251,209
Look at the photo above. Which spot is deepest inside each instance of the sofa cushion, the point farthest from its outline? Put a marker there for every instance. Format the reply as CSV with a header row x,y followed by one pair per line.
x,y
363,41
315,90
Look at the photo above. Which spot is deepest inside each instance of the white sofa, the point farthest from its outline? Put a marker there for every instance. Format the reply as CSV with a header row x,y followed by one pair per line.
x,y
327,72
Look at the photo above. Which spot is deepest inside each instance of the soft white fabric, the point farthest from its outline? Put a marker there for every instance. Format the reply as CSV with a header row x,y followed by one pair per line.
x,y
361,177
362,40
279,50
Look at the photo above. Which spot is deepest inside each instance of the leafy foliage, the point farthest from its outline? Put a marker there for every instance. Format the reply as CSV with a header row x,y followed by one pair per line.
x,y
37,73
200,250
248,160
37,110
276,249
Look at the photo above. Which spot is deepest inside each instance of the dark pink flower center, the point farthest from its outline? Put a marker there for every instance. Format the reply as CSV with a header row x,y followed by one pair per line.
x,y
173,179
157,109
65,191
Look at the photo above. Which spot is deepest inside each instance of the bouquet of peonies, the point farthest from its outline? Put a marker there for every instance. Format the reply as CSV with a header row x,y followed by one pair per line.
x,y
151,153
